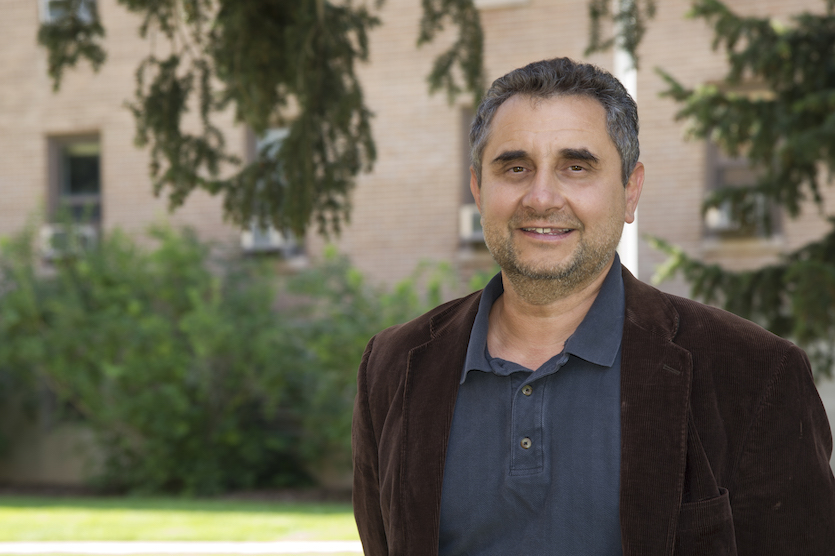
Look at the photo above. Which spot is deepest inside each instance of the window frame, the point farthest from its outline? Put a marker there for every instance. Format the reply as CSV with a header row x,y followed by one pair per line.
x,y
86,12
255,239
724,225
57,198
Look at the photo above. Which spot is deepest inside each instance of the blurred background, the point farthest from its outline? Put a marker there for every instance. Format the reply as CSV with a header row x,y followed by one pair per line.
x,y
210,207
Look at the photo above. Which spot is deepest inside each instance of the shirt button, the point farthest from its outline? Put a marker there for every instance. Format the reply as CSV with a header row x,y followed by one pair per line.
x,y
527,390
526,443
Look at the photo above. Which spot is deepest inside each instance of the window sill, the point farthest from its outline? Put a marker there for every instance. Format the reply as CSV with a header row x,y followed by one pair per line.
x,y
497,4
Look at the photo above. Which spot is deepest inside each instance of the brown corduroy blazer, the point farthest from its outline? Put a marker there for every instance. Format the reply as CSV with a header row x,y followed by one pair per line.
x,y
725,442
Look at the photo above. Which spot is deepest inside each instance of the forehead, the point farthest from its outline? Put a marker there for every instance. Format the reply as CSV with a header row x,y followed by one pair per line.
x,y
559,121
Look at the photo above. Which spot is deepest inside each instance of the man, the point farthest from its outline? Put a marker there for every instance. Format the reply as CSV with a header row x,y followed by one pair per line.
x,y
569,408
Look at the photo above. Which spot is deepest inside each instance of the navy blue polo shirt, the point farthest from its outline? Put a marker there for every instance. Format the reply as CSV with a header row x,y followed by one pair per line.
x,y
533,463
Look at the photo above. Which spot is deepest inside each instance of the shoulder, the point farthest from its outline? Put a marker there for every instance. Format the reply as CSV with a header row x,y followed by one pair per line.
x,y
385,363
696,326
709,328
730,357
390,348
741,357
428,325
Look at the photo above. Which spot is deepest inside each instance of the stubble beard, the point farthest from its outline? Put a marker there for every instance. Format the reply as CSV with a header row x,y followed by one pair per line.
x,y
540,284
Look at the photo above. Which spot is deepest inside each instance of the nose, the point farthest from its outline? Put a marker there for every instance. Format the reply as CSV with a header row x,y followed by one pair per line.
x,y
544,194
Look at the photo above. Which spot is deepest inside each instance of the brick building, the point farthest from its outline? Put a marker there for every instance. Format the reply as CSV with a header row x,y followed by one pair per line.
x,y
410,208
414,206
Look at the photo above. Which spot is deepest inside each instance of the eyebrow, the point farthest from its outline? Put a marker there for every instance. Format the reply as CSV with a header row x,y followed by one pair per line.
x,y
584,155
508,156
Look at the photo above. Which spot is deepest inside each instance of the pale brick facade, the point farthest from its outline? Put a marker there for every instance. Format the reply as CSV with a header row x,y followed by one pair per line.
x,y
88,103
407,209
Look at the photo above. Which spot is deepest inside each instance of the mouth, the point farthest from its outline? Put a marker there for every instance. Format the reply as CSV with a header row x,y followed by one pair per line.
x,y
553,232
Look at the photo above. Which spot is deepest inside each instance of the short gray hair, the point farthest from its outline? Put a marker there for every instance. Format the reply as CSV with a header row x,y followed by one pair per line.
x,y
562,77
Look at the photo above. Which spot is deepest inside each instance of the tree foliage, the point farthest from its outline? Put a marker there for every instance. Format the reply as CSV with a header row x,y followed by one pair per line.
x,y
178,373
466,53
192,381
286,64
72,37
786,129
629,19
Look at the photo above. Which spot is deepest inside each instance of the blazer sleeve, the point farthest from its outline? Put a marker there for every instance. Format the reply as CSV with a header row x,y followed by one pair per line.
x,y
366,483
784,501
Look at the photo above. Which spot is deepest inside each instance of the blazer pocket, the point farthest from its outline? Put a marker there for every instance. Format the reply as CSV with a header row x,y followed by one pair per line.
x,y
706,528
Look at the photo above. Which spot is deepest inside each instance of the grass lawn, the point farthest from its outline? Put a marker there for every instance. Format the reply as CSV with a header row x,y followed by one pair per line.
x,y
35,518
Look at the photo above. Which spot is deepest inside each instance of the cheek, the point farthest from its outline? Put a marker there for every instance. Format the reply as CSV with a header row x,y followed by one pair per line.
x,y
600,207
497,204
592,202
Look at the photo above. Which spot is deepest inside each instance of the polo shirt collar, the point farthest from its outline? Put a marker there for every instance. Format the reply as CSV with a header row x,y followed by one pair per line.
x,y
597,338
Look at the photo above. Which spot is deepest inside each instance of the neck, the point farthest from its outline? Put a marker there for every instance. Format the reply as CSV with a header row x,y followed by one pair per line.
x,y
532,320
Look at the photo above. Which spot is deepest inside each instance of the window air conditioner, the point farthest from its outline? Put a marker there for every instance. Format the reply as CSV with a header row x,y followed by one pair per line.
x,y
720,219
60,240
257,239
469,224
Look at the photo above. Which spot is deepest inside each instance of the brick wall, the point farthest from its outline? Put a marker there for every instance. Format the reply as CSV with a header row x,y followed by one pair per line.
x,y
407,209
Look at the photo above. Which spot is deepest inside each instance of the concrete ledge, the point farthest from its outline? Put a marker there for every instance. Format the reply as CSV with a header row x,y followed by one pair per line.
x,y
209,547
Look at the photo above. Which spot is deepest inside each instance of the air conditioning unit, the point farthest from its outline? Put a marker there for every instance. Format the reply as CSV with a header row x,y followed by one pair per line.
x,y
61,240
720,219
257,239
469,224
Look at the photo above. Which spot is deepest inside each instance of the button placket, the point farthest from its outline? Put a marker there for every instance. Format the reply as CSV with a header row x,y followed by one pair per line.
x,y
527,450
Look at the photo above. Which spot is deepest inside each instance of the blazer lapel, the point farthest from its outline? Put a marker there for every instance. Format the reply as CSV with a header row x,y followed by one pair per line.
x,y
655,393
430,390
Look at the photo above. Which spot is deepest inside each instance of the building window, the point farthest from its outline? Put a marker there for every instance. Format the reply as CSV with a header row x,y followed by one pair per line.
x,y
75,184
256,239
74,210
723,221
469,219
53,11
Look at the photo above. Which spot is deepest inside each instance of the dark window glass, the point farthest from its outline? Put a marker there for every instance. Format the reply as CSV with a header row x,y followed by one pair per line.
x,y
56,10
79,180
82,175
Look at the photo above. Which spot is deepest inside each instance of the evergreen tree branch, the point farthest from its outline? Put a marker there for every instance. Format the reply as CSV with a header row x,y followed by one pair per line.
x,y
73,36
329,140
464,59
629,20
276,64
775,107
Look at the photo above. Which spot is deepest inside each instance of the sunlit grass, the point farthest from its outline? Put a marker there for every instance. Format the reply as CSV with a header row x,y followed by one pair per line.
x,y
29,518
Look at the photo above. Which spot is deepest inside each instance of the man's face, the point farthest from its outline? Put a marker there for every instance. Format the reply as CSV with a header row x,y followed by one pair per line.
x,y
552,201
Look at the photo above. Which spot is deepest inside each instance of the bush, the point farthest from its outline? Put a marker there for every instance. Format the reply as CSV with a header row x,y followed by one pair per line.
x,y
177,371
193,381
341,314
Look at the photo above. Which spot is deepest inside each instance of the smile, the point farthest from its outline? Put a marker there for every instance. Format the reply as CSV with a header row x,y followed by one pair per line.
x,y
547,231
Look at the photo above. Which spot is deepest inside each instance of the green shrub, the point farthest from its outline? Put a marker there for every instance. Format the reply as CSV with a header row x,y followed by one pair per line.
x,y
178,372
191,380
341,314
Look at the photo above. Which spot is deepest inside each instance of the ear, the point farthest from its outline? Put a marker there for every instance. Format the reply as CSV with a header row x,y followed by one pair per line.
x,y
475,189
633,192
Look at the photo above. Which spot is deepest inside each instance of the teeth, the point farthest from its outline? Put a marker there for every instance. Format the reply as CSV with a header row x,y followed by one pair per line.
x,y
544,230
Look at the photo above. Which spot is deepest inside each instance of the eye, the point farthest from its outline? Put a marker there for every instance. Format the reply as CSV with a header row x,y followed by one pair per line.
x,y
576,168
517,169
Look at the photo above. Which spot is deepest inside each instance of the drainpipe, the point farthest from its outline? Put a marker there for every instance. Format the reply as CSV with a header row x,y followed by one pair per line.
x,y
624,70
